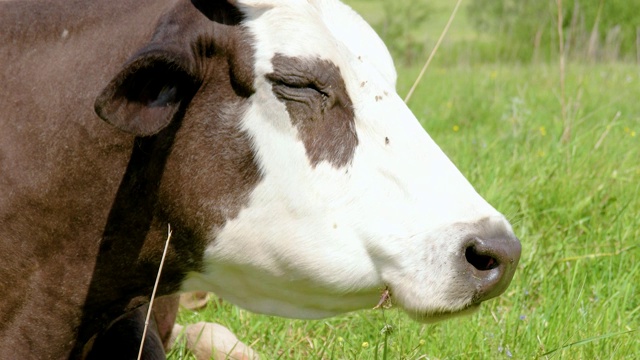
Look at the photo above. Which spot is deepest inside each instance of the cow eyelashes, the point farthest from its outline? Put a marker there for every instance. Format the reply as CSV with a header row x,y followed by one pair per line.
x,y
297,83
305,85
307,93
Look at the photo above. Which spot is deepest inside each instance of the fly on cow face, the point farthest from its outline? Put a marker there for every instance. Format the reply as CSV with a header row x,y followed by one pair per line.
x,y
320,108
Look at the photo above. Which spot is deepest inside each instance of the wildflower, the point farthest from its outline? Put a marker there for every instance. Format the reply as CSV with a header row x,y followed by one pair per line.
x,y
365,344
340,339
543,131
449,104
456,128
632,133
522,317
422,341
493,75
541,153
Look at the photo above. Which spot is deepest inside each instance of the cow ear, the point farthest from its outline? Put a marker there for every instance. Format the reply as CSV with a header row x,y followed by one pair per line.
x,y
147,93
224,12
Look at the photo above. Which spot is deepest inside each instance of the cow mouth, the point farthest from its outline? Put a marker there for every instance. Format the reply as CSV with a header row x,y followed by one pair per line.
x,y
431,316
436,316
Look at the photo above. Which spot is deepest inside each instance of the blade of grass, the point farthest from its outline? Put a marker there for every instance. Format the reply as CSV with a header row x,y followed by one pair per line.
x,y
588,340
433,52
593,256
153,293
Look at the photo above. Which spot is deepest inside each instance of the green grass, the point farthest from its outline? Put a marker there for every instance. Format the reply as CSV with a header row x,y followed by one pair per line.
x,y
410,37
438,13
575,207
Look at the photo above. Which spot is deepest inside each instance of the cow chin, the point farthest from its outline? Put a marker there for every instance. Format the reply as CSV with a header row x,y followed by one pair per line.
x,y
313,300
281,297
436,316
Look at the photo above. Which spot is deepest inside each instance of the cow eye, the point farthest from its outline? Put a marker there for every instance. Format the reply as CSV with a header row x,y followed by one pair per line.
x,y
296,86
304,86
308,90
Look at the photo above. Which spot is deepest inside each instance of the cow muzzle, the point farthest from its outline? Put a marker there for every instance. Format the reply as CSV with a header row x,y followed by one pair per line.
x,y
490,264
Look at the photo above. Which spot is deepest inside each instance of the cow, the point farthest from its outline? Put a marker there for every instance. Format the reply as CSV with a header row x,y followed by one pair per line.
x,y
267,134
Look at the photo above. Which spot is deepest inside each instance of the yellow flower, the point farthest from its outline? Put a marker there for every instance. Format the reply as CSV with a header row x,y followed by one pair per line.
x,y
456,128
627,130
340,339
633,133
543,131
422,341
365,344
493,75
449,104
541,153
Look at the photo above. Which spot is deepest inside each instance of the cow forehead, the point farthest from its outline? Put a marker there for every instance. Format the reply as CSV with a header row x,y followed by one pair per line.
x,y
324,29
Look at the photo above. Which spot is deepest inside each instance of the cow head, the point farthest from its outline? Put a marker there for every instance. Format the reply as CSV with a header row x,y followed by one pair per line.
x,y
308,183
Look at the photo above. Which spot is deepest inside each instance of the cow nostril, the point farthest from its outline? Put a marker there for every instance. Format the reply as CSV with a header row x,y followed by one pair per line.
x,y
490,264
479,261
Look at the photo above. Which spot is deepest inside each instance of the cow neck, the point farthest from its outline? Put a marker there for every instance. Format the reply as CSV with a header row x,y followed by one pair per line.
x,y
119,269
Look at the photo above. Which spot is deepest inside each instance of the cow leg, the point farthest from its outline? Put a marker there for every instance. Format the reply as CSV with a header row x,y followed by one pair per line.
x,y
165,310
207,340
204,340
122,339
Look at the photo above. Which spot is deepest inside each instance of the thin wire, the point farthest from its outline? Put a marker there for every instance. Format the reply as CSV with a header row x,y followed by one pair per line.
x,y
153,294
433,52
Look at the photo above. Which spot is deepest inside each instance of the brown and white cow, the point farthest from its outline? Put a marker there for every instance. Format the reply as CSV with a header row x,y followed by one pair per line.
x,y
267,133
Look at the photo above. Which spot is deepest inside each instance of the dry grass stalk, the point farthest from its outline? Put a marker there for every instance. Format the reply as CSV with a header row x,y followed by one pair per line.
x,y
638,45
593,38
606,131
566,134
433,52
155,288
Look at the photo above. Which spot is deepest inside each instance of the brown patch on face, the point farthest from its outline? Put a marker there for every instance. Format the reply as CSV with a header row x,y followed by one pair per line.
x,y
212,168
319,106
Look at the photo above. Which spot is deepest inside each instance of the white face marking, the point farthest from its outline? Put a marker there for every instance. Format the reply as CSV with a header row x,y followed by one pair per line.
x,y
316,241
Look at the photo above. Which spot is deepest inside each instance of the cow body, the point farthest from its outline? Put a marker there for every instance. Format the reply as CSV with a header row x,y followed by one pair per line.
x,y
243,132
64,177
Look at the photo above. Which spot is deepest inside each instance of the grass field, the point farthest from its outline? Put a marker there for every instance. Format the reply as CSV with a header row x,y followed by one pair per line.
x,y
574,204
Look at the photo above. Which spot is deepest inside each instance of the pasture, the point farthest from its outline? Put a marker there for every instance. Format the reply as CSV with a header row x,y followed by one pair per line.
x,y
573,201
